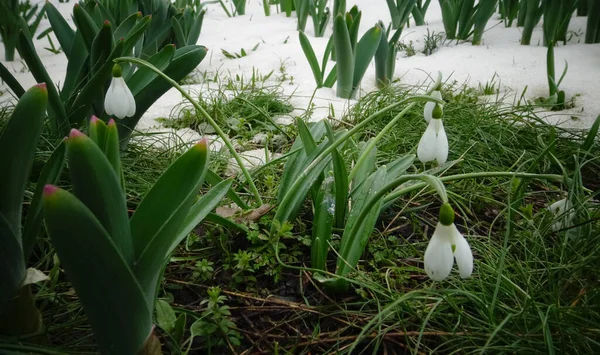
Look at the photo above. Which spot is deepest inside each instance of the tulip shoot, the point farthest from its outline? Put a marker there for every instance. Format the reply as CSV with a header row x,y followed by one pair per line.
x,y
18,313
114,262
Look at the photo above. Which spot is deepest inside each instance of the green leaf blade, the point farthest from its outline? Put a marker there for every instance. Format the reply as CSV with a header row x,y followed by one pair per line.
x,y
97,185
158,219
18,142
344,57
50,173
106,286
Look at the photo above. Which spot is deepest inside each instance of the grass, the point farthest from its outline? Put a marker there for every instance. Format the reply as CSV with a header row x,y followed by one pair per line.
x,y
534,290
242,106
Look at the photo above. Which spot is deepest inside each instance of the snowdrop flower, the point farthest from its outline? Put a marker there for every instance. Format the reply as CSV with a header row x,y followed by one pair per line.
x,y
119,100
446,245
559,208
430,105
434,142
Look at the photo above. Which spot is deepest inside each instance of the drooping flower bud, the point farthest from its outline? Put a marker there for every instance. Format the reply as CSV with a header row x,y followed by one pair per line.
x,y
119,100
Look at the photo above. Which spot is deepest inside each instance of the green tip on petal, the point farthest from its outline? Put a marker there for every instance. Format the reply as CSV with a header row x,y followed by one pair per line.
x,y
437,112
446,214
50,190
116,71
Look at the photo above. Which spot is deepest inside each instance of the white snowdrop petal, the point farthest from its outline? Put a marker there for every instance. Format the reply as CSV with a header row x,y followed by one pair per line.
x,y
563,214
110,98
559,207
441,145
428,111
429,106
438,258
119,100
130,103
426,147
462,254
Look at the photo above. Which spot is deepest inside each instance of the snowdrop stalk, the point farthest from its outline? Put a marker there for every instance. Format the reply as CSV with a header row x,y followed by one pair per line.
x,y
434,142
204,114
446,245
391,124
430,105
119,101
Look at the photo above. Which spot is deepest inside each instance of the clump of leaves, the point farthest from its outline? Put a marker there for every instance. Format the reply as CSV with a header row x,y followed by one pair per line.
x,y
215,327
203,270
259,256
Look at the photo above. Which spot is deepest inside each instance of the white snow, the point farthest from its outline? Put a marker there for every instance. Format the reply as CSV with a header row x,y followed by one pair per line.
x,y
516,67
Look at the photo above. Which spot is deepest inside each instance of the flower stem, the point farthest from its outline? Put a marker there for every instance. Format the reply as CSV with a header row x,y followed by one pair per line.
x,y
371,145
205,114
394,195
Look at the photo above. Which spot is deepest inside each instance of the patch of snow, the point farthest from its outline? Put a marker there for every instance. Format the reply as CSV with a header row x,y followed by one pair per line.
x,y
516,67
251,159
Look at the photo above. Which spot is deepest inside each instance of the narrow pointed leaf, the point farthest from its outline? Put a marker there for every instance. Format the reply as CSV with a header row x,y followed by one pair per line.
x,y
49,175
365,50
10,81
112,151
591,136
331,78
365,169
76,68
144,76
340,176
297,191
297,162
180,40
344,58
12,265
355,237
127,25
200,210
93,91
311,57
322,223
97,185
214,179
64,33
159,217
308,141
136,33
98,132
29,54
399,166
86,25
105,14
102,46
18,142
